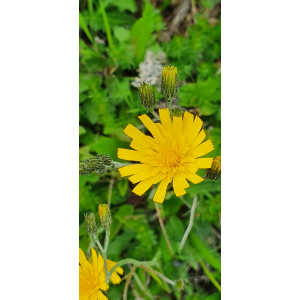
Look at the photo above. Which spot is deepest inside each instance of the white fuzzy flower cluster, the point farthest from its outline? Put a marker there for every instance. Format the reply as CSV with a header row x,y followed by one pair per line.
x,y
150,69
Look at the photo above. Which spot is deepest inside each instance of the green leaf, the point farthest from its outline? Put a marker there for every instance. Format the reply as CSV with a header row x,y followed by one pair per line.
x,y
204,252
89,109
141,32
125,210
108,145
81,130
121,34
122,186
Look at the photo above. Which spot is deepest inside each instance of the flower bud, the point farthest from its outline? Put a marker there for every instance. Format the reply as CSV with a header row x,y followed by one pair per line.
x,y
90,221
169,82
100,164
146,95
214,173
181,284
104,215
176,112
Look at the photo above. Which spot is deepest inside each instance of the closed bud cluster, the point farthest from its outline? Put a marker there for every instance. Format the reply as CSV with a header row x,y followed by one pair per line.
x,y
146,95
214,173
169,82
176,112
90,221
100,164
104,214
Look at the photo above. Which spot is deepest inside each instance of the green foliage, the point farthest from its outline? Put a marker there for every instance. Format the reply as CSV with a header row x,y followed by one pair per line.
x,y
141,31
108,103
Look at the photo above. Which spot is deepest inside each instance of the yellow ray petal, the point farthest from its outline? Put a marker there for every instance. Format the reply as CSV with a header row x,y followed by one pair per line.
x,y
194,130
82,260
100,265
194,178
143,186
203,149
133,169
158,177
192,167
141,176
111,264
177,131
187,123
101,296
94,256
204,163
160,193
130,155
137,145
161,129
134,133
165,119
198,140
178,185
151,126
94,296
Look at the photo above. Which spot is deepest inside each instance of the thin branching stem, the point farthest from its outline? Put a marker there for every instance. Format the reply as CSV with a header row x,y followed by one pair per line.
x,y
159,275
186,234
128,280
163,228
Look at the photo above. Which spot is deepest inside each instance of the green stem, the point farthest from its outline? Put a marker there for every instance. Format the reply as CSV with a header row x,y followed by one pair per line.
x,y
210,276
107,28
154,114
190,223
169,103
159,275
97,242
118,165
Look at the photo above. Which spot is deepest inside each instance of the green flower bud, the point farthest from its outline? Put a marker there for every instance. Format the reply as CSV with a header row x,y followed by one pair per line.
x,y
90,221
100,164
176,112
146,95
214,173
169,83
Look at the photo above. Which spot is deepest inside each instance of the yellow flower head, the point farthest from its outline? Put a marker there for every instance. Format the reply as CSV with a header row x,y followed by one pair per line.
x,y
92,276
171,154
104,215
214,173
169,82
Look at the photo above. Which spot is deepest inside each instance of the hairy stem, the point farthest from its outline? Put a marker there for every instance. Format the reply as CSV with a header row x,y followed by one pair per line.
x,y
163,228
190,223
154,114
159,275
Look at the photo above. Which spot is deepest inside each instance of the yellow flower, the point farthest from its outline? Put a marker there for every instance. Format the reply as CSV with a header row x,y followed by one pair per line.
x,y
171,154
92,276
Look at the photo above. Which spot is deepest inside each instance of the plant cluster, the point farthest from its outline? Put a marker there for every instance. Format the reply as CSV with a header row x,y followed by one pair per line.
x,y
170,250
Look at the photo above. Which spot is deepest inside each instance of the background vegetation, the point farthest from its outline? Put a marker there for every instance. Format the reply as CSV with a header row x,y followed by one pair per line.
x,y
114,38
